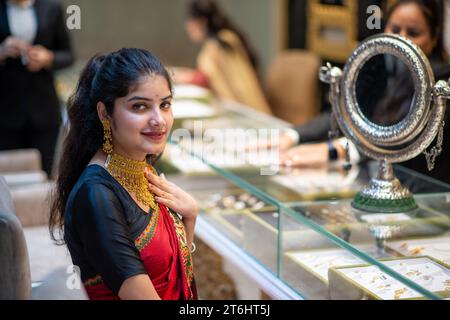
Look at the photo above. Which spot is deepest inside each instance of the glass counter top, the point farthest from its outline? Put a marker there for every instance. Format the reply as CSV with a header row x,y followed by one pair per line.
x,y
424,232
277,232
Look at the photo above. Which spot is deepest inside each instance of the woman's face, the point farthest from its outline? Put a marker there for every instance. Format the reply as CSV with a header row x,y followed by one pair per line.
x,y
408,21
142,120
196,29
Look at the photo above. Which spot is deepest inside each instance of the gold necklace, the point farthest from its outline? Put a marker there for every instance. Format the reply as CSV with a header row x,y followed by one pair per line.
x,y
130,174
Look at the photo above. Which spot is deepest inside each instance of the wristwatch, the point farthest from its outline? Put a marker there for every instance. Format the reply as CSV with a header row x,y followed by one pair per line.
x,y
332,152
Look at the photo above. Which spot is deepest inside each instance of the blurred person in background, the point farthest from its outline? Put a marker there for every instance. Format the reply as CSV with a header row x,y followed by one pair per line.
x,y
34,42
420,21
226,62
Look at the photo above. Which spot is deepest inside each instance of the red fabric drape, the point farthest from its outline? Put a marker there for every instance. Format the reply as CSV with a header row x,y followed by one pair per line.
x,y
166,259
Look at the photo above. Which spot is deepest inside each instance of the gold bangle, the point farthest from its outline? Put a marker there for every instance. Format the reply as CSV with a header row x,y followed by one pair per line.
x,y
193,247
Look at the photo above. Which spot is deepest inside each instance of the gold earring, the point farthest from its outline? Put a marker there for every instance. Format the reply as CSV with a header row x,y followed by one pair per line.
x,y
107,137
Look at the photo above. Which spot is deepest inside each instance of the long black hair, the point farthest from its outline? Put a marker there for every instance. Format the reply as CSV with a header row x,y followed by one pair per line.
x,y
216,21
433,11
104,79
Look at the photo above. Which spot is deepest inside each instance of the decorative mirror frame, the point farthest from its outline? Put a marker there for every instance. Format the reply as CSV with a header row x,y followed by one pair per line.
x,y
412,135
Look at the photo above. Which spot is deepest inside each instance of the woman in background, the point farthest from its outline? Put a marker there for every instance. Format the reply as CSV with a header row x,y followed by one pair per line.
x,y
226,63
129,230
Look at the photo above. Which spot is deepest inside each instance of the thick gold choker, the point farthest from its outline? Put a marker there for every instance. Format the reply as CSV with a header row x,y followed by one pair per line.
x,y
130,174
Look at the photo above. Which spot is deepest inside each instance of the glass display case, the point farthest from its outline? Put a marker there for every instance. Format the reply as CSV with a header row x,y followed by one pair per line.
x,y
294,230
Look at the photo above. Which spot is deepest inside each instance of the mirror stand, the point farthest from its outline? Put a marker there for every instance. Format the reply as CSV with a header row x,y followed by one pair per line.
x,y
384,193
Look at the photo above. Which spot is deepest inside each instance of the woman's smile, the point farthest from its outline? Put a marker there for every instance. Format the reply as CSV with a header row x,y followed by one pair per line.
x,y
156,136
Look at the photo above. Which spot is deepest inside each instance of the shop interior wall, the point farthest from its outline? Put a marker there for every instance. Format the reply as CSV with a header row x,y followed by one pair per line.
x,y
158,25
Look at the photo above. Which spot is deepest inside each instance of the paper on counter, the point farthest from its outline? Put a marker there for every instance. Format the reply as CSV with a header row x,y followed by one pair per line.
x,y
438,248
185,91
191,109
423,271
184,161
319,261
318,180
217,156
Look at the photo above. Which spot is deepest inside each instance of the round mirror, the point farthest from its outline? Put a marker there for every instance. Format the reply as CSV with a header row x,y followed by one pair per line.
x,y
384,90
393,140
382,71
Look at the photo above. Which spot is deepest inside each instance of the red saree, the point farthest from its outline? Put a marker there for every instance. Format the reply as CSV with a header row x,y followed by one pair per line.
x,y
166,257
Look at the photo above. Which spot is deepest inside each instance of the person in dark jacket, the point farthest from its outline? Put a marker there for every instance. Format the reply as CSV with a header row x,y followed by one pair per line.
x,y
34,42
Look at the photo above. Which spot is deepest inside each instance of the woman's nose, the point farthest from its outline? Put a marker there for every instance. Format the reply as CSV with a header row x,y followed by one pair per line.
x,y
156,119
403,33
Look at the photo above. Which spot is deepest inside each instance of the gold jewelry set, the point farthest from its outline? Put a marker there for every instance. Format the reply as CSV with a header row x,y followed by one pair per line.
x,y
129,173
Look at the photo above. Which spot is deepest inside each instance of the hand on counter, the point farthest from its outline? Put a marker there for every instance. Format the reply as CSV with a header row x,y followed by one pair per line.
x,y
306,155
284,143
311,154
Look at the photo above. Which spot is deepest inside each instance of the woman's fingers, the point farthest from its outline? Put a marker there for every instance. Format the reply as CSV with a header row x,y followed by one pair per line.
x,y
170,195
160,186
159,192
161,182
155,180
292,161
291,158
167,202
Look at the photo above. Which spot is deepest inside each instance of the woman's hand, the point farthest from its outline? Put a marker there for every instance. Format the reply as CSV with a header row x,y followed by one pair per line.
x,y
170,195
306,155
283,144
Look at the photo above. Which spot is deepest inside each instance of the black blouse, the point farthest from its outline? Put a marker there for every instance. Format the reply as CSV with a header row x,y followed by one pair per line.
x,y
101,223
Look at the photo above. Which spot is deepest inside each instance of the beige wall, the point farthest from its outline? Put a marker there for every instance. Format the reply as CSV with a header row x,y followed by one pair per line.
x,y
260,21
158,25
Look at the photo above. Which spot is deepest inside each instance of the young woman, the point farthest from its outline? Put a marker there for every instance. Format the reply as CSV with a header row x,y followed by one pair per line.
x,y
421,22
129,230
226,62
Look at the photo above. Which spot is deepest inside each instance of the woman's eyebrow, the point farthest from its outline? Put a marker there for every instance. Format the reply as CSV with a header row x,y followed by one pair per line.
x,y
148,99
138,98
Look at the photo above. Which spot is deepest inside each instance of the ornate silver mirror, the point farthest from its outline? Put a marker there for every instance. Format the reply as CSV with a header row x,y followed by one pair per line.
x,y
396,133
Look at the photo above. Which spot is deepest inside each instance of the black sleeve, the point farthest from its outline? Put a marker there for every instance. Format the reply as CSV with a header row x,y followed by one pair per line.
x,y
100,223
316,129
62,47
